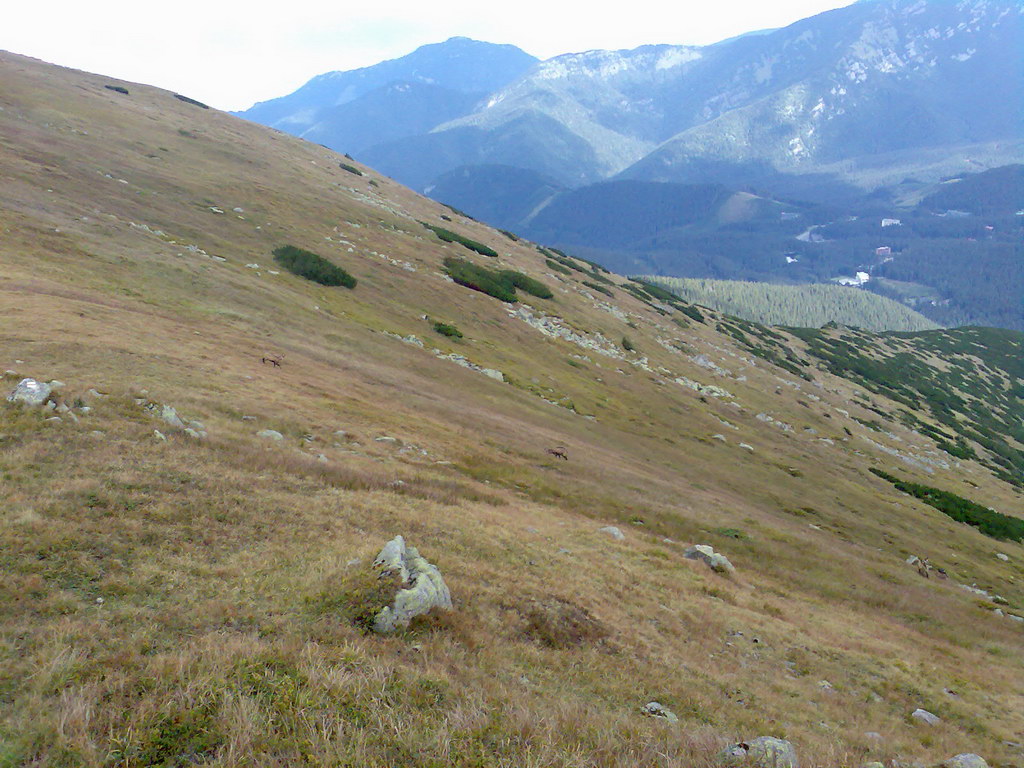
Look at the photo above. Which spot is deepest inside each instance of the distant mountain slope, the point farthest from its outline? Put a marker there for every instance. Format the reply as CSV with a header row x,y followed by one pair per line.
x,y
995,192
449,76
808,306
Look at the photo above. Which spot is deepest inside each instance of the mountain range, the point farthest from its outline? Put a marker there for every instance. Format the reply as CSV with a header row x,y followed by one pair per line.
x,y
708,161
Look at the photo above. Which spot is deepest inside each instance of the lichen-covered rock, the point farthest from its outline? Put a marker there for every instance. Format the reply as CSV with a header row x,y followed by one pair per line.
x,y
614,532
30,392
270,434
425,588
699,552
719,563
965,760
762,752
169,415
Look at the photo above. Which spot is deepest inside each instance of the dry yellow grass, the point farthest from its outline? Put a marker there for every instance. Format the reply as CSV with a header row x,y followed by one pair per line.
x,y
164,601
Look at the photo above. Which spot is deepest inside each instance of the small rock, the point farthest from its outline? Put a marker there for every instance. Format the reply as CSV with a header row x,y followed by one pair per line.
x,y
97,433
762,752
85,410
747,447
614,532
95,393
965,760
718,437
1004,558
56,385
825,685
873,735
270,434
925,716
30,392
874,764
194,433
56,419
654,709
387,440
159,435
248,418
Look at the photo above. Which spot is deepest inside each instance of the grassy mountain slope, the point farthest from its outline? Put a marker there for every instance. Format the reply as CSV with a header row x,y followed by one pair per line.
x,y
810,306
185,600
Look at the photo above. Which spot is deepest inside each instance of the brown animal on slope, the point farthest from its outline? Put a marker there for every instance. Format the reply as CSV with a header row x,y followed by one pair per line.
x,y
274,360
559,452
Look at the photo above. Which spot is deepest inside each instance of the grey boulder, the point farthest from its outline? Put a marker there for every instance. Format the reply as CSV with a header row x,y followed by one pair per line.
x,y
716,561
966,760
655,709
925,716
30,392
762,752
425,588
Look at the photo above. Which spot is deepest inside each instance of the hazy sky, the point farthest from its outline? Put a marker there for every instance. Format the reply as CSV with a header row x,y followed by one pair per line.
x,y
231,54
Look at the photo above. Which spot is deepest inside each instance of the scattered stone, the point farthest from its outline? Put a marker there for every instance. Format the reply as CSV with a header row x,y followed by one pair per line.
x,y
30,392
386,439
614,532
718,437
874,735
159,435
426,589
965,760
925,716
874,764
762,752
54,419
719,563
654,709
85,410
56,385
270,434
97,433
825,685
1004,558
95,393
194,433
747,447
248,418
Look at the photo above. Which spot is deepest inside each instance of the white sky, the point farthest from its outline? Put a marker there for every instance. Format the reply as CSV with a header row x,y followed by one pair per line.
x,y
231,54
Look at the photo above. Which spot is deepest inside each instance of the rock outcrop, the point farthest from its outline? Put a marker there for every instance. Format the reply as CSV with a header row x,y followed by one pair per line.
x,y
965,760
762,752
425,588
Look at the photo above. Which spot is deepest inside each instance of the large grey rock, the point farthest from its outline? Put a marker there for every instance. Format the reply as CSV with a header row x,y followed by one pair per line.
x,y
965,760
614,532
30,392
270,434
654,709
716,561
425,587
762,752
925,716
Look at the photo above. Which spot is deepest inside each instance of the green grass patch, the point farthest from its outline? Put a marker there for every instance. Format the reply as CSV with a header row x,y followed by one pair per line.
x,y
312,267
350,169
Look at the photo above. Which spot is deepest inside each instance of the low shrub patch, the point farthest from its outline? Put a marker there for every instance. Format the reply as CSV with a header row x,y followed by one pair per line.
x,y
598,288
988,521
451,237
501,284
628,345
312,267
117,88
350,169
447,330
187,100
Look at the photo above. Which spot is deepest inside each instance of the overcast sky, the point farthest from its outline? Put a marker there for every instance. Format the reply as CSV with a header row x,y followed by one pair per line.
x,y
231,54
